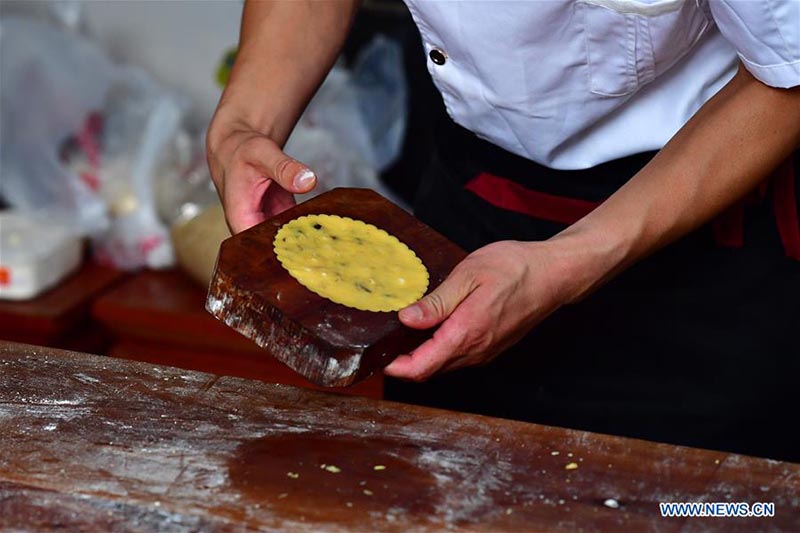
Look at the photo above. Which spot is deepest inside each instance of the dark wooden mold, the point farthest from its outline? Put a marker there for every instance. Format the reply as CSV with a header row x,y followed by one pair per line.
x,y
328,343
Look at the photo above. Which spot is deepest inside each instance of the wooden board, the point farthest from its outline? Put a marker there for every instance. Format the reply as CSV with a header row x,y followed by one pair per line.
x,y
166,307
328,343
93,443
60,316
159,317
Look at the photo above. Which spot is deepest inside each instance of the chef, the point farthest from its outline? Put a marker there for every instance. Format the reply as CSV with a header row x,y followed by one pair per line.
x,y
622,172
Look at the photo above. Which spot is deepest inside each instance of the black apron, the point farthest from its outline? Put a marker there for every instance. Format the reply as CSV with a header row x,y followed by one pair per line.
x,y
696,345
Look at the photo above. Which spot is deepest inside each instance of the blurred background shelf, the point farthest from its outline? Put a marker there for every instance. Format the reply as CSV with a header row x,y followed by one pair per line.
x,y
153,316
61,317
159,317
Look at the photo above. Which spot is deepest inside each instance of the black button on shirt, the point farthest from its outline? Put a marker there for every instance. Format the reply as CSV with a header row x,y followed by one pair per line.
x,y
437,56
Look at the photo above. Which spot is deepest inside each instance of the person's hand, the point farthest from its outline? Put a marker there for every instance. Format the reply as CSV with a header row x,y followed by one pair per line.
x,y
487,303
254,178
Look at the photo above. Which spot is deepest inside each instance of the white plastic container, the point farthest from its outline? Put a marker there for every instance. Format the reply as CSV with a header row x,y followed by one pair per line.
x,y
34,256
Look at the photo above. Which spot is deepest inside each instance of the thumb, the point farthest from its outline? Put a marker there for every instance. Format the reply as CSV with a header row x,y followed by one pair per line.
x,y
272,162
441,302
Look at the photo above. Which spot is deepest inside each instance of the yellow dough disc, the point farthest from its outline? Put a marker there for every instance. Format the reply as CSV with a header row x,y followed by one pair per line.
x,y
351,262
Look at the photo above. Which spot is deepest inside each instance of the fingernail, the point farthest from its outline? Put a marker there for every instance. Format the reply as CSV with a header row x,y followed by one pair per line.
x,y
411,314
304,179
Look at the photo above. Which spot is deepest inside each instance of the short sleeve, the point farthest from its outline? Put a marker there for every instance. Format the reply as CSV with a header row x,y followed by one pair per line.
x,y
766,35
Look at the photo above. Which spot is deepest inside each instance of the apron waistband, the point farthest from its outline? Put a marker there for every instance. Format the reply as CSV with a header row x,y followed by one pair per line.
x,y
785,205
511,196
514,183
728,227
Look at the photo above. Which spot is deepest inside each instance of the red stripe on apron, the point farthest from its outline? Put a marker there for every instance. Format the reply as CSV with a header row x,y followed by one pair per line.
x,y
507,194
728,227
785,205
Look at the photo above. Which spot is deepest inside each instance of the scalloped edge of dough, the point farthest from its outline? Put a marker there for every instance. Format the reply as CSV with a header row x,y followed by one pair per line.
x,y
357,221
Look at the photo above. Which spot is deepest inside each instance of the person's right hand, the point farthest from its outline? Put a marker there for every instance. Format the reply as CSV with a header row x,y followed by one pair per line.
x,y
254,178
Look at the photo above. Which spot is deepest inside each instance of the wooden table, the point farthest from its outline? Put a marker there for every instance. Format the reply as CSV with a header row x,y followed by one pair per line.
x,y
97,443
160,317
60,317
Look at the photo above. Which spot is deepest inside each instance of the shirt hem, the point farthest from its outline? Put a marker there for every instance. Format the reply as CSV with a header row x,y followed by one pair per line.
x,y
781,75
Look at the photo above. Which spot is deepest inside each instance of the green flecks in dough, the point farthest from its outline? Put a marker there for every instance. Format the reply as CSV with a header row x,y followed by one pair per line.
x,y
350,262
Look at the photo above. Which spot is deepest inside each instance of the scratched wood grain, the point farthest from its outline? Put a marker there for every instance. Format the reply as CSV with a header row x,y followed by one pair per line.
x,y
95,443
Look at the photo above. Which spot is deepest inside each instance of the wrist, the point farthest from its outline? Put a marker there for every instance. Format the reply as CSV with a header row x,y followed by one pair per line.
x,y
588,255
239,109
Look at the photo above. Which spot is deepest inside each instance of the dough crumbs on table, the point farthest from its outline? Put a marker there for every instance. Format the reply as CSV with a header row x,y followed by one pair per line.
x,y
612,503
282,495
569,454
333,469
571,466
379,467
293,475
509,510
349,504
554,453
368,492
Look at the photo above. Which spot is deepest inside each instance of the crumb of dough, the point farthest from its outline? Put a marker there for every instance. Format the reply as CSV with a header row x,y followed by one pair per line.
x,y
571,466
333,469
379,467
611,502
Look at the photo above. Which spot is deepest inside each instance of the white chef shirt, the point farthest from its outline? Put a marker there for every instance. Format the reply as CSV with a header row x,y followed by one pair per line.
x,y
574,83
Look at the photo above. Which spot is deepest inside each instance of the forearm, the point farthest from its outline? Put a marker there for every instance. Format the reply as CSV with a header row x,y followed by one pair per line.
x,y
286,48
731,144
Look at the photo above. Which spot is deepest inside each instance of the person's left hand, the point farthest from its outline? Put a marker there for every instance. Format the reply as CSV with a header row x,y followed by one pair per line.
x,y
486,304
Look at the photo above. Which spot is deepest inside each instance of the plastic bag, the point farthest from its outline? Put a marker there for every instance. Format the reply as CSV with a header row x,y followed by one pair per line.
x,y
354,126
44,99
141,120
380,83
82,140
